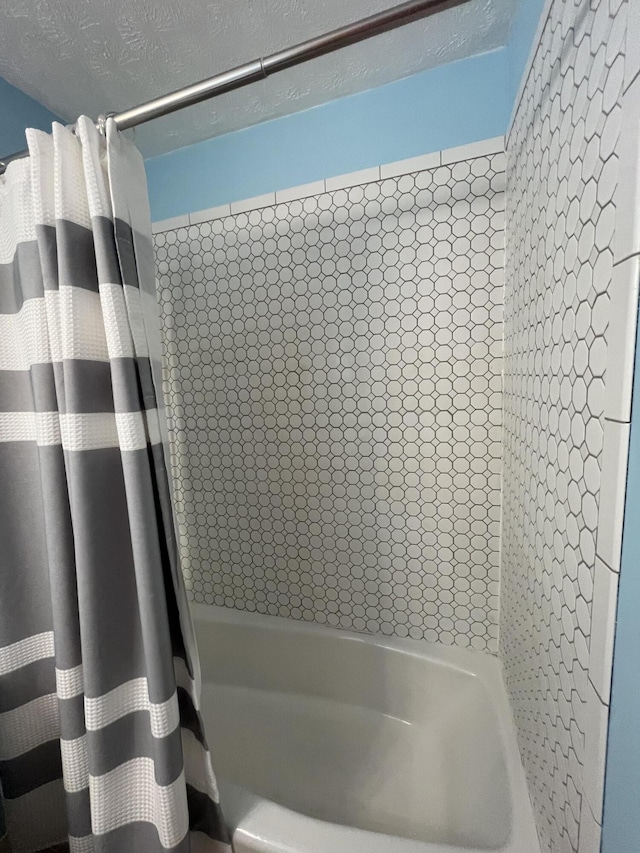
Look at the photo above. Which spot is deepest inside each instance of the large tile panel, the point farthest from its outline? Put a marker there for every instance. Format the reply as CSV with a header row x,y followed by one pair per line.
x,y
333,374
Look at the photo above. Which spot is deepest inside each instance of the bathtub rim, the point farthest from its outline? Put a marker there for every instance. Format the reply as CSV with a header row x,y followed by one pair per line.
x,y
469,661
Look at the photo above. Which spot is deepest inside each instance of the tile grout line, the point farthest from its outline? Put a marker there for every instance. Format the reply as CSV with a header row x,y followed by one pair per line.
x,y
595,690
604,563
595,819
626,258
631,82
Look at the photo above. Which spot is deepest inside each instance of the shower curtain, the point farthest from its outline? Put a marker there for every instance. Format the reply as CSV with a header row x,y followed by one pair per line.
x,y
101,740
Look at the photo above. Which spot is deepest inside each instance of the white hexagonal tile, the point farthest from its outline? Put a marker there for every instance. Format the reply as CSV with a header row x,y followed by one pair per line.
x,y
361,311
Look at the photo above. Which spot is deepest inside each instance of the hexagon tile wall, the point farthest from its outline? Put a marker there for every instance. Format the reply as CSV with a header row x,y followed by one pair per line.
x,y
562,175
334,398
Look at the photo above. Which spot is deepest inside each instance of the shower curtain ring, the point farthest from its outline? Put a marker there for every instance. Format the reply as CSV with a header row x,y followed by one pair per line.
x,y
101,123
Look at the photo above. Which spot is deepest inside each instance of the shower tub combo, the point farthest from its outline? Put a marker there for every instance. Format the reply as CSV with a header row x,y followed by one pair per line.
x,y
326,741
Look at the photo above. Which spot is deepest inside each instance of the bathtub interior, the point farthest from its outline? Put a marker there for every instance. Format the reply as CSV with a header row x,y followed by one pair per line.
x,y
356,732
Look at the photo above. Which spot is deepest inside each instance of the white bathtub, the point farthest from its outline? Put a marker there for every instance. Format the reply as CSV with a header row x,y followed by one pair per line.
x,y
325,741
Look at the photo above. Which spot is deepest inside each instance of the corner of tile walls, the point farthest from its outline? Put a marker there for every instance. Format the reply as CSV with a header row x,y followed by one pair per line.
x,y
333,378
570,315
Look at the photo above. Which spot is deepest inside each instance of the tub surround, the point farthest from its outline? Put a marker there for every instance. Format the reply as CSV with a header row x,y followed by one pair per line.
x,y
390,523
333,377
570,308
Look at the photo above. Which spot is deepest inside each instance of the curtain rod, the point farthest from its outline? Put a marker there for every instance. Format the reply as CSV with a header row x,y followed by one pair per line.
x,y
258,69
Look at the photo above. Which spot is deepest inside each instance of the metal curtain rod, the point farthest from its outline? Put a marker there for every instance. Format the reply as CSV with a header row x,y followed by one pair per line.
x,y
258,69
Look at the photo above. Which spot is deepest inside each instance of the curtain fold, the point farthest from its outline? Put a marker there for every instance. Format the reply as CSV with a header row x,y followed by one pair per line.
x,y
101,740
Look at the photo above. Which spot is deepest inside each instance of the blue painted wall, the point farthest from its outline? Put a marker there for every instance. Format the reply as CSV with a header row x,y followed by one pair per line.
x,y
523,31
621,823
439,108
19,111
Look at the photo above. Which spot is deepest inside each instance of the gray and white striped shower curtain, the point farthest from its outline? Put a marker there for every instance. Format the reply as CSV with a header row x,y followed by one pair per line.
x,y
101,740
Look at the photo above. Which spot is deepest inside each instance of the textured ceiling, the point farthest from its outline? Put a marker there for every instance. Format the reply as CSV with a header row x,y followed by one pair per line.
x,y
93,56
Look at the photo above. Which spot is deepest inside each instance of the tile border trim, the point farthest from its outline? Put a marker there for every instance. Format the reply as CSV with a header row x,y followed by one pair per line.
x,y
619,359
396,169
174,222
